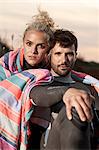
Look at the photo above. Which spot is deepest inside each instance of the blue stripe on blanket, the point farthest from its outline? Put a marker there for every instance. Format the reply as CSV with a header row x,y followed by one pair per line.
x,y
20,82
9,99
29,75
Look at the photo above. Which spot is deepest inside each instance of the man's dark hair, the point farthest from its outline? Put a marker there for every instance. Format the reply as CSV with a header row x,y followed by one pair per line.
x,y
65,38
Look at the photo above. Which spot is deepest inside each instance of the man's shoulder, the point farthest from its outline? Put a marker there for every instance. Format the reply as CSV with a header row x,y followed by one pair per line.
x,y
86,87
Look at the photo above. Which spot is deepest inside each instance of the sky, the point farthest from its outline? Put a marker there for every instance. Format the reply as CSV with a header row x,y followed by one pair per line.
x,y
79,16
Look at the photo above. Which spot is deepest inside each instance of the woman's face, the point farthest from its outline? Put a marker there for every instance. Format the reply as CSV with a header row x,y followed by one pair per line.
x,y
35,47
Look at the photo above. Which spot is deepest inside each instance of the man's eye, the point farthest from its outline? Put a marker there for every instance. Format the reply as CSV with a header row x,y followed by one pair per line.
x,y
57,53
70,54
29,44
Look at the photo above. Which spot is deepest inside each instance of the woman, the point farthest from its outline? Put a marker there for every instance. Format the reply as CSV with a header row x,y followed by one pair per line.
x,y
15,106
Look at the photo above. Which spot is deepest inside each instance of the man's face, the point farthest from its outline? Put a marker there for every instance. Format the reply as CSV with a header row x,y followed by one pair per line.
x,y
62,60
35,47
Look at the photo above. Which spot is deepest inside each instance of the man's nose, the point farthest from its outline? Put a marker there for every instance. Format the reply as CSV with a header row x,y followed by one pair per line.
x,y
64,58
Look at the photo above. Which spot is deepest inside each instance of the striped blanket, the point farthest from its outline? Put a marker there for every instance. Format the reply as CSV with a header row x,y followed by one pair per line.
x,y
15,105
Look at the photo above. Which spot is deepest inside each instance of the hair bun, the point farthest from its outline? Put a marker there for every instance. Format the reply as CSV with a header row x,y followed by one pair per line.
x,y
43,18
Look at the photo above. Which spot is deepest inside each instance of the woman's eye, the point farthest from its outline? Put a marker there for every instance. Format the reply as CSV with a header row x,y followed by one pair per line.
x,y
29,44
42,46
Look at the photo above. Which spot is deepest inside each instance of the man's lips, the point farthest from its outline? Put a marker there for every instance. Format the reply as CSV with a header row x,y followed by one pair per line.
x,y
65,67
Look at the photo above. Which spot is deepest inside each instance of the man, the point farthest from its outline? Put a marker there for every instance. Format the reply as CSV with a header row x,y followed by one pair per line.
x,y
64,134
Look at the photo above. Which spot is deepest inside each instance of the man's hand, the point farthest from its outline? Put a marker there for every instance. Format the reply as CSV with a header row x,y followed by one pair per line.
x,y
81,101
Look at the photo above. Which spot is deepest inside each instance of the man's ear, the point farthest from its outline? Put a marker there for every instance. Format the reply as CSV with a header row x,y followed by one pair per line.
x,y
46,57
47,60
76,56
49,56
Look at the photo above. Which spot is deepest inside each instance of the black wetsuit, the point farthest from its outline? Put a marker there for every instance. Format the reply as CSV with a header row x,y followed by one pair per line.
x,y
64,134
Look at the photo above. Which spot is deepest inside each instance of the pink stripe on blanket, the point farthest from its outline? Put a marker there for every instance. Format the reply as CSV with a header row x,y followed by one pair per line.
x,y
12,56
5,145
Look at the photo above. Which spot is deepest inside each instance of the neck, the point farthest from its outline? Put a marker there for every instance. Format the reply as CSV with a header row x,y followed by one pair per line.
x,y
27,66
66,79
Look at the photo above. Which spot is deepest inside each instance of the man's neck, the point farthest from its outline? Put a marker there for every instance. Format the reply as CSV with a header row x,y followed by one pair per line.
x,y
64,79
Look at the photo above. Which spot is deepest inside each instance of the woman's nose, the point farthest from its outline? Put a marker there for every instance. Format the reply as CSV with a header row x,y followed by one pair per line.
x,y
34,50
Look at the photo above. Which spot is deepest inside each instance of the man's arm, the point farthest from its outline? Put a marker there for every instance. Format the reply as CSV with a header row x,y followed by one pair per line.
x,y
79,99
46,96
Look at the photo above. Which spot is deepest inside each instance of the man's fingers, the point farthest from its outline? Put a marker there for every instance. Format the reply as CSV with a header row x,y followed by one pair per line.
x,y
85,108
81,101
87,111
72,102
88,99
69,111
80,112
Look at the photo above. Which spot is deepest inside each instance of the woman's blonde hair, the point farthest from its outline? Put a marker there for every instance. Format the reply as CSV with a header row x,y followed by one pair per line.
x,y
42,22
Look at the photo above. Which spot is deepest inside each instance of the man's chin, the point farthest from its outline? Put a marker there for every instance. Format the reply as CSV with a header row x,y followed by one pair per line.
x,y
66,71
63,73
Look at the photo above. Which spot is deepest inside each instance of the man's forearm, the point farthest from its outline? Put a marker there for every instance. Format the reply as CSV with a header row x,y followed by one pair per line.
x,y
46,96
